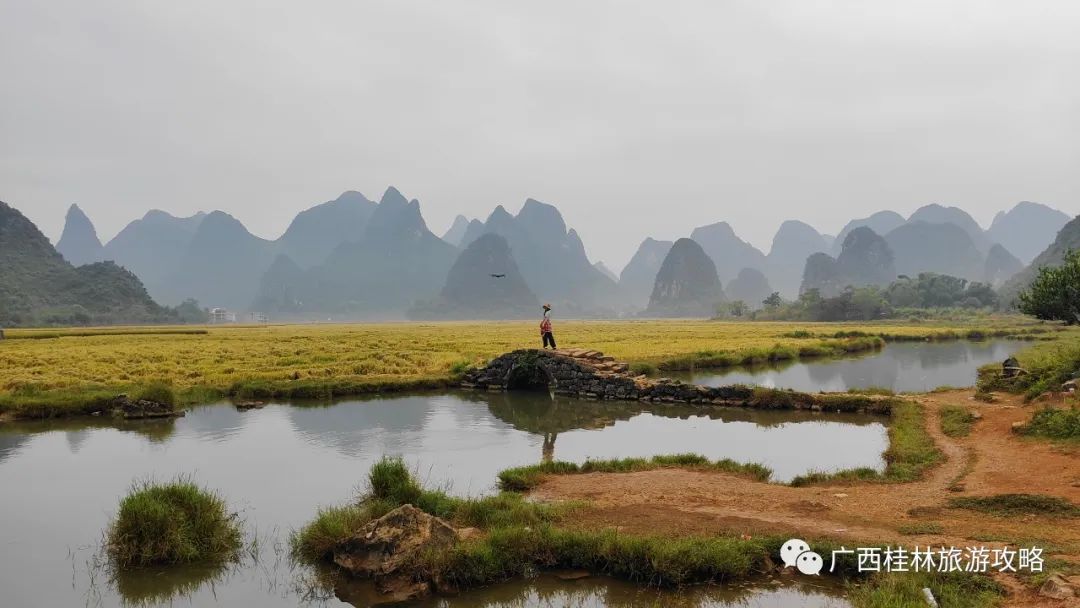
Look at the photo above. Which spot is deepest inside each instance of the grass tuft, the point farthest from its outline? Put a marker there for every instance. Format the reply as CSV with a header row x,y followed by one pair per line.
x,y
390,479
1010,505
172,523
159,392
956,421
905,589
1054,424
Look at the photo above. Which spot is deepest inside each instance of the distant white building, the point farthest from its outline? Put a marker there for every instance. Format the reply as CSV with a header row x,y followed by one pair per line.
x,y
259,317
221,315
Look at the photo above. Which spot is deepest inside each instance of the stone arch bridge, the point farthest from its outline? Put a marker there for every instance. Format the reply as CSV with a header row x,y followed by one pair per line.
x,y
589,374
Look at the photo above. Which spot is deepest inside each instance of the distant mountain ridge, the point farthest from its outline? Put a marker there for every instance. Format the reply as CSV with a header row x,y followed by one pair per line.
x,y
729,252
750,286
220,263
456,233
1067,239
317,231
483,283
79,244
551,257
330,250
1027,229
882,222
793,243
687,284
865,259
940,214
639,275
38,286
380,273
919,246
152,248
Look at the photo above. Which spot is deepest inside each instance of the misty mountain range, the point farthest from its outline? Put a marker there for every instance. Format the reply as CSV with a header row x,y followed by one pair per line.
x,y
354,258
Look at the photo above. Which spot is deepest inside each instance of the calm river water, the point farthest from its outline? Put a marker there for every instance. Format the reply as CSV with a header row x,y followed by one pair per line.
x,y
62,480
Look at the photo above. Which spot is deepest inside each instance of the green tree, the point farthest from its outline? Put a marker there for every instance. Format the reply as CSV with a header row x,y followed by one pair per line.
x,y
773,301
737,308
1054,295
189,311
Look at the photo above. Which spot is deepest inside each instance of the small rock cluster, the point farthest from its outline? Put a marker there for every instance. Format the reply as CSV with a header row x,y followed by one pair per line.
x,y
389,549
1058,587
126,407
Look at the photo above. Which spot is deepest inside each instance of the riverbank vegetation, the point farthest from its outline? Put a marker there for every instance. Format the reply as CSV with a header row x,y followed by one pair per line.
x,y
956,421
172,523
522,479
517,538
72,372
1044,367
926,296
1017,505
1050,423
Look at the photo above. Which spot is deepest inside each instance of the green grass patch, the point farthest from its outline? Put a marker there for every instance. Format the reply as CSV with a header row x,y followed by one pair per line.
x,y
331,526
390,485
1054,424
1046,367
873,390
1011,505
774,354
172,523
956,421
644,369
158,392
520,538
522,479
904,590
843,476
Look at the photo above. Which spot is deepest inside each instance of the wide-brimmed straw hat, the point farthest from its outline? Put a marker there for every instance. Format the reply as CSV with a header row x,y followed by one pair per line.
x,y
547,306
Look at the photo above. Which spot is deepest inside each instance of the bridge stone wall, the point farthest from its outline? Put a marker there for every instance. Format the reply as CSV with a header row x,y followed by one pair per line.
x,y
590,375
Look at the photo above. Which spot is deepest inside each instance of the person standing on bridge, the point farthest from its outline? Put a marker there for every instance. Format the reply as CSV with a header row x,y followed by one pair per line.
x,y
545,329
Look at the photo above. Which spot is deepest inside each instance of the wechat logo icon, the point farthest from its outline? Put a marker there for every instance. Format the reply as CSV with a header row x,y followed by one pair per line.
x,y
797,553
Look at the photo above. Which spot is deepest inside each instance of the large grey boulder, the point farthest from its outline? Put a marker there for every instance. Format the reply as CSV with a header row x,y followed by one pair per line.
x,y
388,548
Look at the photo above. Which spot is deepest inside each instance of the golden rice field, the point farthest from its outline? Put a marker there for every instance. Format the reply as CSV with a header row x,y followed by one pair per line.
x,y
220,357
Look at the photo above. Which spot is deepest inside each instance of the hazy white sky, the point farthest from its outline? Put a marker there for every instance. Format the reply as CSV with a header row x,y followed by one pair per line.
x,y
635,118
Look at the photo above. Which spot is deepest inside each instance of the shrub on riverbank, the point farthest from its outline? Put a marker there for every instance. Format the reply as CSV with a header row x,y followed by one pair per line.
x,y
1054,424
172,523
1045,368
158,392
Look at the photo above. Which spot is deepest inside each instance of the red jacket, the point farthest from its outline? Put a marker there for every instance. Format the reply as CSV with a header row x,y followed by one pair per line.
x,y
545,326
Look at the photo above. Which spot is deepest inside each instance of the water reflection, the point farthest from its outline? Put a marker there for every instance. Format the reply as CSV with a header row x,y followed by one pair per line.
x,y
549,416
600,592
902,367
169,585
77,431
277,465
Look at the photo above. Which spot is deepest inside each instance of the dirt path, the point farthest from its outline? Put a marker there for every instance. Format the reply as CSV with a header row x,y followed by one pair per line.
x,y
991,460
